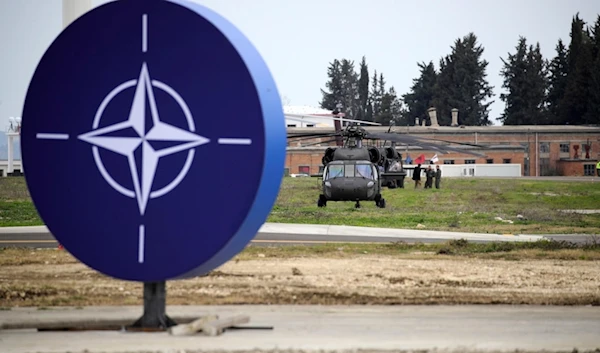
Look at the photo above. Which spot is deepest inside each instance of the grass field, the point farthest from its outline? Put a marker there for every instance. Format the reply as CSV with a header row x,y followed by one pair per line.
x,y
469,205
455,272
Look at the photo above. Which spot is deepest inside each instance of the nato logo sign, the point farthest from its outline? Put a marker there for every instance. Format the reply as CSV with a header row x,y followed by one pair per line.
x,y
153,140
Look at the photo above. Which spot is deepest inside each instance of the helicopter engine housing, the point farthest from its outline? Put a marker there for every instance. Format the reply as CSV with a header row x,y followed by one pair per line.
x,y
375,155
328,156
351,154
391,153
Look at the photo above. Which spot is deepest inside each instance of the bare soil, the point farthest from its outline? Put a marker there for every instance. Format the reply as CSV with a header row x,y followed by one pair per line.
x,y
54,278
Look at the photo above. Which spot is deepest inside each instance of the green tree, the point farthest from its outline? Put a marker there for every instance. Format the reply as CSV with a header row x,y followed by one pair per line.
x,y
342,88
363,92
375,97
557,84
420,97
380,94
514,72
350,96
333,95
537,80
444,98
580,59
525,79
462,84
592,114
390,107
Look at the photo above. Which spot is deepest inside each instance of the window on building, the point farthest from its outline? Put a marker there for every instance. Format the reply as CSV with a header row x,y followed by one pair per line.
x,y
286,171
489,161
469,161
321,168
589,170
310,125
506,161
449,161
291,125
545,166
564,148
303,169
544,147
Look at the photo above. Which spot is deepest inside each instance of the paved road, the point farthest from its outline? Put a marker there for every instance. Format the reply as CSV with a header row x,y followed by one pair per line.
x,y
438,328
269,239
40,237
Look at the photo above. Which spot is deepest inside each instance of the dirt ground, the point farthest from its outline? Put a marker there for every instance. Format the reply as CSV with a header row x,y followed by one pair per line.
x,y
54,278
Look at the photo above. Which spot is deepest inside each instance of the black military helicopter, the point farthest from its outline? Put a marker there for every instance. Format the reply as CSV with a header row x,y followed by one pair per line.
x,y
356,172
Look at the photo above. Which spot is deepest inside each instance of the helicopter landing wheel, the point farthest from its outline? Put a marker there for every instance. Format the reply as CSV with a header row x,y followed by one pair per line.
x,y
322,202
357,205
380,203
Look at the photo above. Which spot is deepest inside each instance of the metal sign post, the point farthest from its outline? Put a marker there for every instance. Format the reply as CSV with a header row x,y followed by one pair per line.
x,y
155,302
127,144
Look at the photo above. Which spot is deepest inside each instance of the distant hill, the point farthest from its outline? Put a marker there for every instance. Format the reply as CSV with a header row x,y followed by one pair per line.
x,y
4,148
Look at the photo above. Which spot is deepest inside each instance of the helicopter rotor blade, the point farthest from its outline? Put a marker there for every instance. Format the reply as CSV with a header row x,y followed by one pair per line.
x,y
291,116
311,136
318,143
416,141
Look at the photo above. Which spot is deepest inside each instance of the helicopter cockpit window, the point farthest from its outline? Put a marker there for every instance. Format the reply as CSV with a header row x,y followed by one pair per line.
x,y
364,171
349,170
334,171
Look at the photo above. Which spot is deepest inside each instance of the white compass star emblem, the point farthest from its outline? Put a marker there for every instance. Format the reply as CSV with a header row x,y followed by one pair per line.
x,y
160,131
108,138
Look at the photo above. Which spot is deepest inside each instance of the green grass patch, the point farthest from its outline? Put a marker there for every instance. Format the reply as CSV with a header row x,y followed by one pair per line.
x,y
468,205
461,204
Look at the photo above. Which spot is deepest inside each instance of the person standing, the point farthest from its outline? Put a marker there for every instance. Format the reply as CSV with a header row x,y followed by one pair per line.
x,y
438,176
429,174
417,175
598,168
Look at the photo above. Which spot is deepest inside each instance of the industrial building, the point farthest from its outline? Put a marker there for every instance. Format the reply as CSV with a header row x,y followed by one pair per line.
x,y
539,150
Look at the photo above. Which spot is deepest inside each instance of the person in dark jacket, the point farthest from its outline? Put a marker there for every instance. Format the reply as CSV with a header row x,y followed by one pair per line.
x,y
429,174
417,175
438,176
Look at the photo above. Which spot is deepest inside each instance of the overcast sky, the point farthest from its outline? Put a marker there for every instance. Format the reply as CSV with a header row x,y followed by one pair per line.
x,y
298,38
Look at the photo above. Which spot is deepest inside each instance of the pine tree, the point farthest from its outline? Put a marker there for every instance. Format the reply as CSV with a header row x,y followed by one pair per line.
x,y
334,94
443,97
350,96
420,97
514,73
592,115
525,79
382,83
380,93
537,82
363,92
577,93
396,107
342,88
462,83
390,107
557,85
375,96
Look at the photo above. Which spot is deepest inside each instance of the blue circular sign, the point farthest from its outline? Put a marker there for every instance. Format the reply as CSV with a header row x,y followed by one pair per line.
x,y
153,140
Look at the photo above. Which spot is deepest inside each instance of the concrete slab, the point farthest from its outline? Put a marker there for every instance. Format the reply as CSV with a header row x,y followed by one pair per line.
x,y
333,230
465,328
338,230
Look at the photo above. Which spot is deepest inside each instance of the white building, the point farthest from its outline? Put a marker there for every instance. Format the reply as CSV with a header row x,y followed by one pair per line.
x,y
307,116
